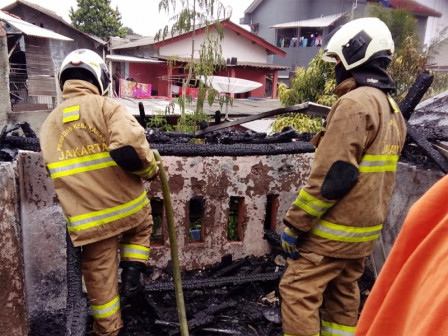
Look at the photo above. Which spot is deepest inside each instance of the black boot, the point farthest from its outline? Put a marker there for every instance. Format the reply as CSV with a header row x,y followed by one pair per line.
x,y
130,278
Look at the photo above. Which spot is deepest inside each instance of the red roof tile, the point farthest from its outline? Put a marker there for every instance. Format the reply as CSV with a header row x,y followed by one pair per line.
x,y
414,7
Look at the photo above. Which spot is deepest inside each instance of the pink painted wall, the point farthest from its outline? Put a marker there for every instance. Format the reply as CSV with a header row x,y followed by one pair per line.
x,y
151,74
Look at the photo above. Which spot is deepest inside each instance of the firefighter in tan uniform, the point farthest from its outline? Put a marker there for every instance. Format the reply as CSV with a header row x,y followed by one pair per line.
x,y
97,155
333,223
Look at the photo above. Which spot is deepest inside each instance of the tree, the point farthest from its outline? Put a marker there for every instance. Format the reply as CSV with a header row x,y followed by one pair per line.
x,y
129,31
316,82
98,18
193,14
401,23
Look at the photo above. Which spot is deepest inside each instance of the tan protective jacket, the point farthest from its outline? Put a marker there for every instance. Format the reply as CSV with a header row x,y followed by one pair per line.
x,y
99,199
366,129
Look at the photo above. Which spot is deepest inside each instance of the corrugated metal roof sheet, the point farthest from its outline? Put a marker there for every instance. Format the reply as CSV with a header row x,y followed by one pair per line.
x,y
323,21
52,15
260,126
124,58
30,29
141,42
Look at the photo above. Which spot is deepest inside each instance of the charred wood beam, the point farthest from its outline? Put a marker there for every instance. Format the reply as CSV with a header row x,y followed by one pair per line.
x,y
407,106
433,133
183,149
313,109
229,268
142,119
206,316
416,93
210,330
427,147
213,283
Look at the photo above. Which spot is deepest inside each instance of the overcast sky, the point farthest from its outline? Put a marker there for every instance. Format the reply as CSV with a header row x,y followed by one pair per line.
x,y
142,16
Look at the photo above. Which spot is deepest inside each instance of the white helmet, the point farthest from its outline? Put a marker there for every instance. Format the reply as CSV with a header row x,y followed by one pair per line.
x,y
88,61
356,41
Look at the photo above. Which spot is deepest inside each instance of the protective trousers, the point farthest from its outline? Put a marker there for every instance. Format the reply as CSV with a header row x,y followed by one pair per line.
x,y
100,271
314,282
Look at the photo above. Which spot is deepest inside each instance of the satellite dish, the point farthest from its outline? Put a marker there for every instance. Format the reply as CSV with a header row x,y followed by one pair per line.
x,y
231,84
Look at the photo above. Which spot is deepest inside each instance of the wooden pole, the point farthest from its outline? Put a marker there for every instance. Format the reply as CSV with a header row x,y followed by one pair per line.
x,y
173,246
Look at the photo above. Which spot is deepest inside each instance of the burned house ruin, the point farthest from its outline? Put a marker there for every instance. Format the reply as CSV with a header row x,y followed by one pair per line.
x,y
228,196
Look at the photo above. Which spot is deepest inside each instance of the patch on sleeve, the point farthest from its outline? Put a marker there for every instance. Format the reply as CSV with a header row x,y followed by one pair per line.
x,y
70,114
341,177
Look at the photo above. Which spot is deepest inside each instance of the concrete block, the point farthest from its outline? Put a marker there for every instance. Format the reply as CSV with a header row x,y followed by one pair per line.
x,y
43,232
13,312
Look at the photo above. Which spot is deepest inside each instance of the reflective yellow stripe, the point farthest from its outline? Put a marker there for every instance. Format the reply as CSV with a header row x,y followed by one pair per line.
x,y
70,113
378,163
134,251
107,309
344,233
96,218
334,329
147,172
393,104
80,164
311,204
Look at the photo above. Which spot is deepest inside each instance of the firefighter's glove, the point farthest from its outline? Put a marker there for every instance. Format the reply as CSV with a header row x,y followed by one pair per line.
x,y
289,240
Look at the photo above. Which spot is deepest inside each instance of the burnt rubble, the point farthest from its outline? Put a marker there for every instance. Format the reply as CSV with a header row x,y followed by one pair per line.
x,y
230,142
15,137
233,297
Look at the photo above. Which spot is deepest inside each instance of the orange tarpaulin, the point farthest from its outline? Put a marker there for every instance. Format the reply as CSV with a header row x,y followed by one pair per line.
x,y
410,295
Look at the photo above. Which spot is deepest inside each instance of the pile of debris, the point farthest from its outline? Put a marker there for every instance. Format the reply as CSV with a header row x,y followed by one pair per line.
x,y
12,140
233,297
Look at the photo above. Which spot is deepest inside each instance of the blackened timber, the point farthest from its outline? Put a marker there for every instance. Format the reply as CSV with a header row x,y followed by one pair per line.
x,y
213,283
309,108
189,149
433,133
205,317
407,106
427,147
230,268
416,93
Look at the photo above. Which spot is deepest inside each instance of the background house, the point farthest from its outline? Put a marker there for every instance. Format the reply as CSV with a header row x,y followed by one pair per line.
x,y
45,18
298,26
32,83
247,54
47,54
38,41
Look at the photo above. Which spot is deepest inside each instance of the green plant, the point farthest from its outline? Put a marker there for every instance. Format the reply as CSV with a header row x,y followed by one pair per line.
x,y
301,122
232,228
196,225
207,59
314,83
187,123
159,121
401,22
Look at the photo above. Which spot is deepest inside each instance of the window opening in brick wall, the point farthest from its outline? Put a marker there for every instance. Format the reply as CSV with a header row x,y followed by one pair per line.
x,y
271,212
235,218
157,217
196,217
